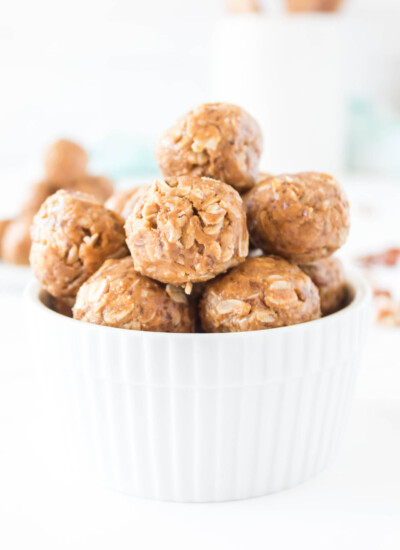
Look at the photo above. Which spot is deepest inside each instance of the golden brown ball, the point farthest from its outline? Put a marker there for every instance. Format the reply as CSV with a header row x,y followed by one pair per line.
x,y
72,235
216,140
65,161
302,217
118,296
187,230
260,293
16,240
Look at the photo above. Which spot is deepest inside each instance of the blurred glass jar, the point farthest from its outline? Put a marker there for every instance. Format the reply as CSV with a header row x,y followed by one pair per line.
x,y
373,89
287,72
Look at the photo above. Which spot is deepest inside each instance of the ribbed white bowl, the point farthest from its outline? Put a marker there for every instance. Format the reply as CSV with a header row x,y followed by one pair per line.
x,y
199,417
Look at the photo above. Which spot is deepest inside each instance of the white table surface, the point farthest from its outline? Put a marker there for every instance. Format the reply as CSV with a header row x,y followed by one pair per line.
x,y
355,504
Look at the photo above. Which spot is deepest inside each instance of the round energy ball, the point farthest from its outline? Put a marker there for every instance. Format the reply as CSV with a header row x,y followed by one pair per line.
x,y
260,293
37,194
16,240
329,277
216,140
123,202
187,230
99,187
118,296
302,217
72,235
65,161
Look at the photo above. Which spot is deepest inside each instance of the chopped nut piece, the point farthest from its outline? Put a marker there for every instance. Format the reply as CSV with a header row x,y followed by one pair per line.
x,y
389,317
388,258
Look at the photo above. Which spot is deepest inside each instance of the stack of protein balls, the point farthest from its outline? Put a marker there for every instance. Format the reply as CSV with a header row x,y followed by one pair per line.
x,y
173,256
65,167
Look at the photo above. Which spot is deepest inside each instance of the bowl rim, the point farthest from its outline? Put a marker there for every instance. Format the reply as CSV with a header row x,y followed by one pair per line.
x,y
354,278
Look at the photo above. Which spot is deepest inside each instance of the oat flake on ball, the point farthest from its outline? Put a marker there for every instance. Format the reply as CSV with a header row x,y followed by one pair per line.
x,y
216,140
117,296
302,217
187,229
72,235
261,293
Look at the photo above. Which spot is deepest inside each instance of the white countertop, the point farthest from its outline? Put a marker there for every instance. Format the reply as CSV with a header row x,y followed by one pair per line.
x,y
355,504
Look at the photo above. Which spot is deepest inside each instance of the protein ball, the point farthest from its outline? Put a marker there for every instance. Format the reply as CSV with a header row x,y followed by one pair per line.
x,y
123,202
261,293
329,277
65,161
187,230
302,217
99,187
72,235
37,194
217,140
117,296
16,240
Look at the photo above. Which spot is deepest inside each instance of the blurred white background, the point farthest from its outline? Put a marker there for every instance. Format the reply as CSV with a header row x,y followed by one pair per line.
x,y
98,69
114,74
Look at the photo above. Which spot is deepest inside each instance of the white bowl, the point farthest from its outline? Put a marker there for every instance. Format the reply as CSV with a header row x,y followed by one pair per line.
x,y
200,417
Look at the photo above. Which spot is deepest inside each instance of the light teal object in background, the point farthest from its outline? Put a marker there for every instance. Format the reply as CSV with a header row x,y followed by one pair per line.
x,y
373,139
121,156
373,146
